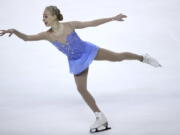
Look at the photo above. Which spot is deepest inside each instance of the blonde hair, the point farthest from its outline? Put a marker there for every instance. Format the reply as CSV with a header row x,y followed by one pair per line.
x,y
55,11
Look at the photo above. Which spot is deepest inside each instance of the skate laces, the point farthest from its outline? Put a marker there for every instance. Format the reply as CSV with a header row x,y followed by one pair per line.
x,y
146,58
99,115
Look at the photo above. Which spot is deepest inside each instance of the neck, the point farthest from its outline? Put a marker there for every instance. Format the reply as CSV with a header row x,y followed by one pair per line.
x,y
56,26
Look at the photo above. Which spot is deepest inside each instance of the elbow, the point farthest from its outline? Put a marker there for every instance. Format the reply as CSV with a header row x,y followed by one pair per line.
x,y
26,38
95,24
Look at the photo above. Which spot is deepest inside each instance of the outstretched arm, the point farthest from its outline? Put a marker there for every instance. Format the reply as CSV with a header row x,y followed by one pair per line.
x,y
39,36
93,23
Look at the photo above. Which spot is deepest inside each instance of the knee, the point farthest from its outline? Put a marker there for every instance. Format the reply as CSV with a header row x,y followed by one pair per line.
x,y
81,89
123,55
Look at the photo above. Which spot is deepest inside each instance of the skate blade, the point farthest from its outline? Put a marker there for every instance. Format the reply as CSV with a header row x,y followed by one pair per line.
x,y
100,129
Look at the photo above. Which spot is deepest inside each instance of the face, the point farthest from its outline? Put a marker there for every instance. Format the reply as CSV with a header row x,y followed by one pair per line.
x,y
48,19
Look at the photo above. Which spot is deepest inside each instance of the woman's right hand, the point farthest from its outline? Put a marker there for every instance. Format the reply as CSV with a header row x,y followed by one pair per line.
x,y
11,31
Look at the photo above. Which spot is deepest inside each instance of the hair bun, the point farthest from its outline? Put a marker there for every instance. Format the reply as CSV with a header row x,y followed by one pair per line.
x,y
60,17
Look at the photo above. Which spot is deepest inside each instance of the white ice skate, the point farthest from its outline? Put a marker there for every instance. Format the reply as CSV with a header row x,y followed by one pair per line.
x,y
100,124
150,60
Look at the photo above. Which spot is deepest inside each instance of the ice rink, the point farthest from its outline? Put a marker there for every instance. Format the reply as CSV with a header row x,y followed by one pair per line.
x,y
38,95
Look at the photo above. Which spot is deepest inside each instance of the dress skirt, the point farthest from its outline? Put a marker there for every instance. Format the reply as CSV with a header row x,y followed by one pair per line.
x,y
79,65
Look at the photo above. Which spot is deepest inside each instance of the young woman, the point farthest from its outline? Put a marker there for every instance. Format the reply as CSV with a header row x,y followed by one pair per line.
x,y
80,54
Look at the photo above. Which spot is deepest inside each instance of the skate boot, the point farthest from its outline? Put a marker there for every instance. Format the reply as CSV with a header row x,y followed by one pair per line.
x,y
150,60
100,124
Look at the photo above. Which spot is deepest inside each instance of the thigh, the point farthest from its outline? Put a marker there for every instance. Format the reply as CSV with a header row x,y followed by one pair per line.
x,y
81,80
105,54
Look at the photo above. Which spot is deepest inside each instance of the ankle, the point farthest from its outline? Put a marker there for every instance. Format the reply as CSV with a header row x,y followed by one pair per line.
x,y
141,58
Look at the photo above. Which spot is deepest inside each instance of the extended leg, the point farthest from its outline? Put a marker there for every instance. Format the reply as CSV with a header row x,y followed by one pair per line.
x,y
104,54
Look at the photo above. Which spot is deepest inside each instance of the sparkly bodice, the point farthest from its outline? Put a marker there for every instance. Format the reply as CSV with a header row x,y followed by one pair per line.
x,y
73,48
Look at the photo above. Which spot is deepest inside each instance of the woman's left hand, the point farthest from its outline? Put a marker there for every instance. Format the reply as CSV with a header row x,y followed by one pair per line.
x,y
119,17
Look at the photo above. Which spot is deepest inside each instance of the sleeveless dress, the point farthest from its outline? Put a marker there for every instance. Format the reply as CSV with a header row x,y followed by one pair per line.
x,y
80,54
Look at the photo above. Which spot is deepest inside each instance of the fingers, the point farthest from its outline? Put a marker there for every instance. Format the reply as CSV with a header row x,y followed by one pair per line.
x,y
124,16
2,33
120,17
10,34
2,30
5,31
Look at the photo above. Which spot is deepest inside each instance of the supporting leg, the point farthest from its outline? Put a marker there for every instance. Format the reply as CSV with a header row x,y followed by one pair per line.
x,y
81,83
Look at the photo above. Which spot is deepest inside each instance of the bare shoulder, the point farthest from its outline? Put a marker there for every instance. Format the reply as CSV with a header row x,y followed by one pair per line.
x,y
72,24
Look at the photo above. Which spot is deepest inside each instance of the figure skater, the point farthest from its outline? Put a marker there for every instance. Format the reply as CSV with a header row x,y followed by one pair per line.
x,y
80,53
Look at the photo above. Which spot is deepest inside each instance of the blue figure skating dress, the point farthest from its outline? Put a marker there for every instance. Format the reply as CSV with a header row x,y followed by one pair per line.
x,y
79,53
